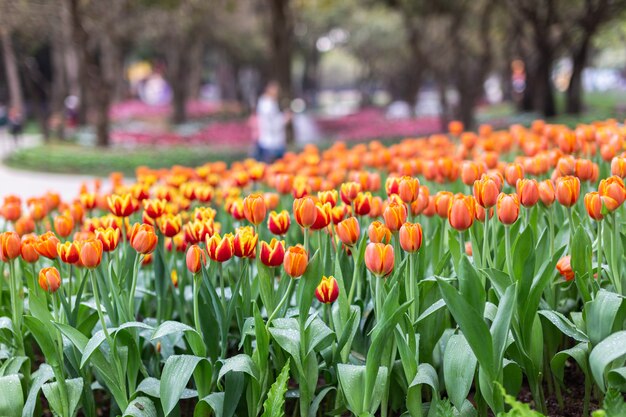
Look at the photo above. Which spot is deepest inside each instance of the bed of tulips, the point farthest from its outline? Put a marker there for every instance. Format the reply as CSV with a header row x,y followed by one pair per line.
x,y
434,277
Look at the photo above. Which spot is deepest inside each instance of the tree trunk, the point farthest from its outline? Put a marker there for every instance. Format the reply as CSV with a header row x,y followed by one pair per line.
x,y
574,102
545,97
12,73
102,102
527,103
196,61
310,74
281,40
443,103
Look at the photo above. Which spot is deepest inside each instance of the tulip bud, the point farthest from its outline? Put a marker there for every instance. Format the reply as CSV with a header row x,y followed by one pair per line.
x,y
278,223
220,249
408,189
91,253
598,205
63,224
10,246
546,192
461,212
411,237
618,167
323,216
486,191
349,231
395,215
379,259
363,203
295,261
195,259
244,243
328,290
442,203
508,208
613,187
273,253
28,251
329,196
567,190
170,225
154,208
304,211
527,191
109,237
143,238
69,252
49,279
565,269
254,209
377,232
348,191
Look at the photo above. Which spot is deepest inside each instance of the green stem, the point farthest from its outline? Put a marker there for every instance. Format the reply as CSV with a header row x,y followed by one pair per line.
x,y
508,256
587,397
133,287
281,303
58,373
570,220
354,278
15,309
196,310
222,286
599,260
485,253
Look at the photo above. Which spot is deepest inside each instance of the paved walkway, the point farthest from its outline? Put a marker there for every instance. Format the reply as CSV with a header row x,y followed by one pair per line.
x,y
30,184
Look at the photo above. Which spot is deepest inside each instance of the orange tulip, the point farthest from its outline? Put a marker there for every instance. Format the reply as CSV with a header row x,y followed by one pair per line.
x,y
195,259
283,183
411,237
377,232
143,238
585,169
28,251
154,208
376,207
304,211
442,201
244,243
546,192
109,237
295,261
47,245
11,211
408,189
328,290
197,230
613,187
236,209
349,191
49,279
363,203
513,172
349,231
527,191
379,259
598,205
121,205
394,215
567,190
10,246
419,205
273,253
91,253
69,252
323,217
254,208
461,212
455,127
220,249
508,208
471,172
565,269
88,200
618,166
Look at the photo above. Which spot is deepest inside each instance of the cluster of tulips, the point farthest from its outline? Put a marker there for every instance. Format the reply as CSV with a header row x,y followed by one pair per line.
x,y
429,277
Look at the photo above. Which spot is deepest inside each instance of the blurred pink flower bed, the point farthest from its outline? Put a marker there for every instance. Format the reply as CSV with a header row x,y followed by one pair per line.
x,y
365,124
137,109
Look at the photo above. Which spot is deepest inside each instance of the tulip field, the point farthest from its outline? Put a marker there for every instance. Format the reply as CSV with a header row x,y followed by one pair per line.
x,y
462,274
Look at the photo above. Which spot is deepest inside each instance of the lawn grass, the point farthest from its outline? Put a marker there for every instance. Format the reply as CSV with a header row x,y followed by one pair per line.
x,y
75,159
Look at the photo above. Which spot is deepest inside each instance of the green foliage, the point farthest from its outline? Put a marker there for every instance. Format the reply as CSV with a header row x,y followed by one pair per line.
x,y
274,404
518,409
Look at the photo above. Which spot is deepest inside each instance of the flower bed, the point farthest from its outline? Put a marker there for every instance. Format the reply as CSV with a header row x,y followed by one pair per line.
x,y
438,276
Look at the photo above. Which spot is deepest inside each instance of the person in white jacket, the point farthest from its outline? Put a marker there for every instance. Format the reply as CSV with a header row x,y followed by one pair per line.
x,y
272,140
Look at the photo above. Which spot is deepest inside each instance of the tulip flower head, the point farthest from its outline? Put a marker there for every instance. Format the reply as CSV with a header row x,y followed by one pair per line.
x,y
305,212
349,231
47,245
379,259
69,252
278,223
254,208
567,190
461,212
328,290
90,253
411,237
143,238
49,279
508,207
295,261
121,205
195,259
220,249
10,246
565,269
273,253
28,251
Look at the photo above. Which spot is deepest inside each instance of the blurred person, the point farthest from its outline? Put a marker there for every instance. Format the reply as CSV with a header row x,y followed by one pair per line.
x,y
271,122
16,124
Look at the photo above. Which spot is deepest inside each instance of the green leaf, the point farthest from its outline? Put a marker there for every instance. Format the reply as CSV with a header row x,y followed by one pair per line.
x,y
604,353
600,315
211,403
426,375
141,407
459,366
174,327
151,387
352,380
38,378
579,353
471,286
472,325
274,404
240,363
13,365
53,395
177,371
435,307
93,344
617,378
564,325
41,333
501,324
12,398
